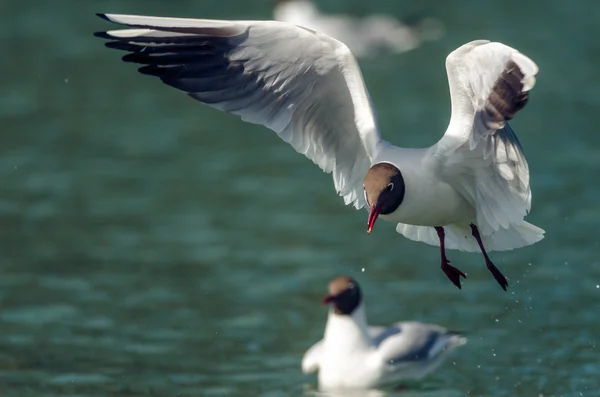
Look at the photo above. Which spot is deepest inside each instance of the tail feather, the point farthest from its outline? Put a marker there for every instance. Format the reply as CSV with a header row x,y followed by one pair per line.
x,y
455,339
459,237
518,235
447,342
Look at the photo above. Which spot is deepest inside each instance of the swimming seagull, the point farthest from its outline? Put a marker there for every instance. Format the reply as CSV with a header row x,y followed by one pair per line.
x,y
353,355
469,191
364,36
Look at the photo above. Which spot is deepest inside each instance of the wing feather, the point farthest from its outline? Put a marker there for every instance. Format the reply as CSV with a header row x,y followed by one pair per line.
x,y
413,349
305,86
480,153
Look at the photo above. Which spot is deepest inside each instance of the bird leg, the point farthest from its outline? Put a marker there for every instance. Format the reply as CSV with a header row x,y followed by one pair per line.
x,y
451,272
491,267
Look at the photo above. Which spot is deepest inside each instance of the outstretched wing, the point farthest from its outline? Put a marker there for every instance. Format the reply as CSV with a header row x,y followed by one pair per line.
x,y
305,86
480,153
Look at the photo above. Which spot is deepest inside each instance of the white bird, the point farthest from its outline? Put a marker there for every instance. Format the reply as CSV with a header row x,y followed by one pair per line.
x,y
364,36
353,355
469,191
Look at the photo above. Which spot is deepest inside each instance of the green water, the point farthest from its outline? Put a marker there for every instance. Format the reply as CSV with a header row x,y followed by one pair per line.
x,y
140,256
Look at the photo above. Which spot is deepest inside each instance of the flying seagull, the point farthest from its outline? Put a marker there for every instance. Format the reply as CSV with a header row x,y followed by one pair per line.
x,y
469,191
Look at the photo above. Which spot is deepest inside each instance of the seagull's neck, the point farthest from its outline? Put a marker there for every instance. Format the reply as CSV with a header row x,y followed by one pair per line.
x,y
347,331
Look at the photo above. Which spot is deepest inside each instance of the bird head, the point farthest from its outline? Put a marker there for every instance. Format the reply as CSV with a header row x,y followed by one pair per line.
x,y
384,191
344,295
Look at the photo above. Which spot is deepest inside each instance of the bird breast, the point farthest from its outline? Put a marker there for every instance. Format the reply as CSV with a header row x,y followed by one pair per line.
x,y
428,200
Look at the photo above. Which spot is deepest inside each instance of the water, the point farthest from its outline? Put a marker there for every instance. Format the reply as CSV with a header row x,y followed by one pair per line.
x,y
140,256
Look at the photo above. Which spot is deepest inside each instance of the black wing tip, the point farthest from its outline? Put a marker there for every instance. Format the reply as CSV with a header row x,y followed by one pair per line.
x,y
151,70
103,35
103,16
131,57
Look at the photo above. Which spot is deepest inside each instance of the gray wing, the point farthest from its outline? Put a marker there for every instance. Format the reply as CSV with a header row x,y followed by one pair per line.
x,y
408,342
305,86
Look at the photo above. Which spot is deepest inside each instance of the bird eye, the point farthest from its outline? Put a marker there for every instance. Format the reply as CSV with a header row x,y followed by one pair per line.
x,y
390,187
366,199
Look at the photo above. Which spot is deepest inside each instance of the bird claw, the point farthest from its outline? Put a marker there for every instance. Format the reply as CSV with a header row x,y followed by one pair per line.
x,y
453,273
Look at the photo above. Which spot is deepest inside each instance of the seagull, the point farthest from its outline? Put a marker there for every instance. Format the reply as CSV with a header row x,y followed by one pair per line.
x,y
366,36
469,191
354,355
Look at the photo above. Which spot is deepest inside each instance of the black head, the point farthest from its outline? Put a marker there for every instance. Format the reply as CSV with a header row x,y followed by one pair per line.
x,y
384,191
344,295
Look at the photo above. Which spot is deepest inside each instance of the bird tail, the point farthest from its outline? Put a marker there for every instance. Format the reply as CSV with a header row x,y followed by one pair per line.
x,y
455,339
520,234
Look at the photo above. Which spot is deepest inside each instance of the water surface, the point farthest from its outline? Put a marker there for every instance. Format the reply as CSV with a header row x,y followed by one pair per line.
x,y
151,246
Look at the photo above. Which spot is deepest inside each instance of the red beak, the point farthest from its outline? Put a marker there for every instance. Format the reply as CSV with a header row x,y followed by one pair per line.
x,y
373,214
327,299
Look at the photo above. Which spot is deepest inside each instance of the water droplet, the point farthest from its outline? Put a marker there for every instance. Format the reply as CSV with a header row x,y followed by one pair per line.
x,y
67,80
363,269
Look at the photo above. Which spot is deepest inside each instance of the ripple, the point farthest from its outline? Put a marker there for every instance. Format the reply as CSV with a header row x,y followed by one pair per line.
x,y
39,315
187,379
65,283
98,322
73,378
156,294
148,348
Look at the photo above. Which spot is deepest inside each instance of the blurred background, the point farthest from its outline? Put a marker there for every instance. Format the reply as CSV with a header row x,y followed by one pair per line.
x,y
139,255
